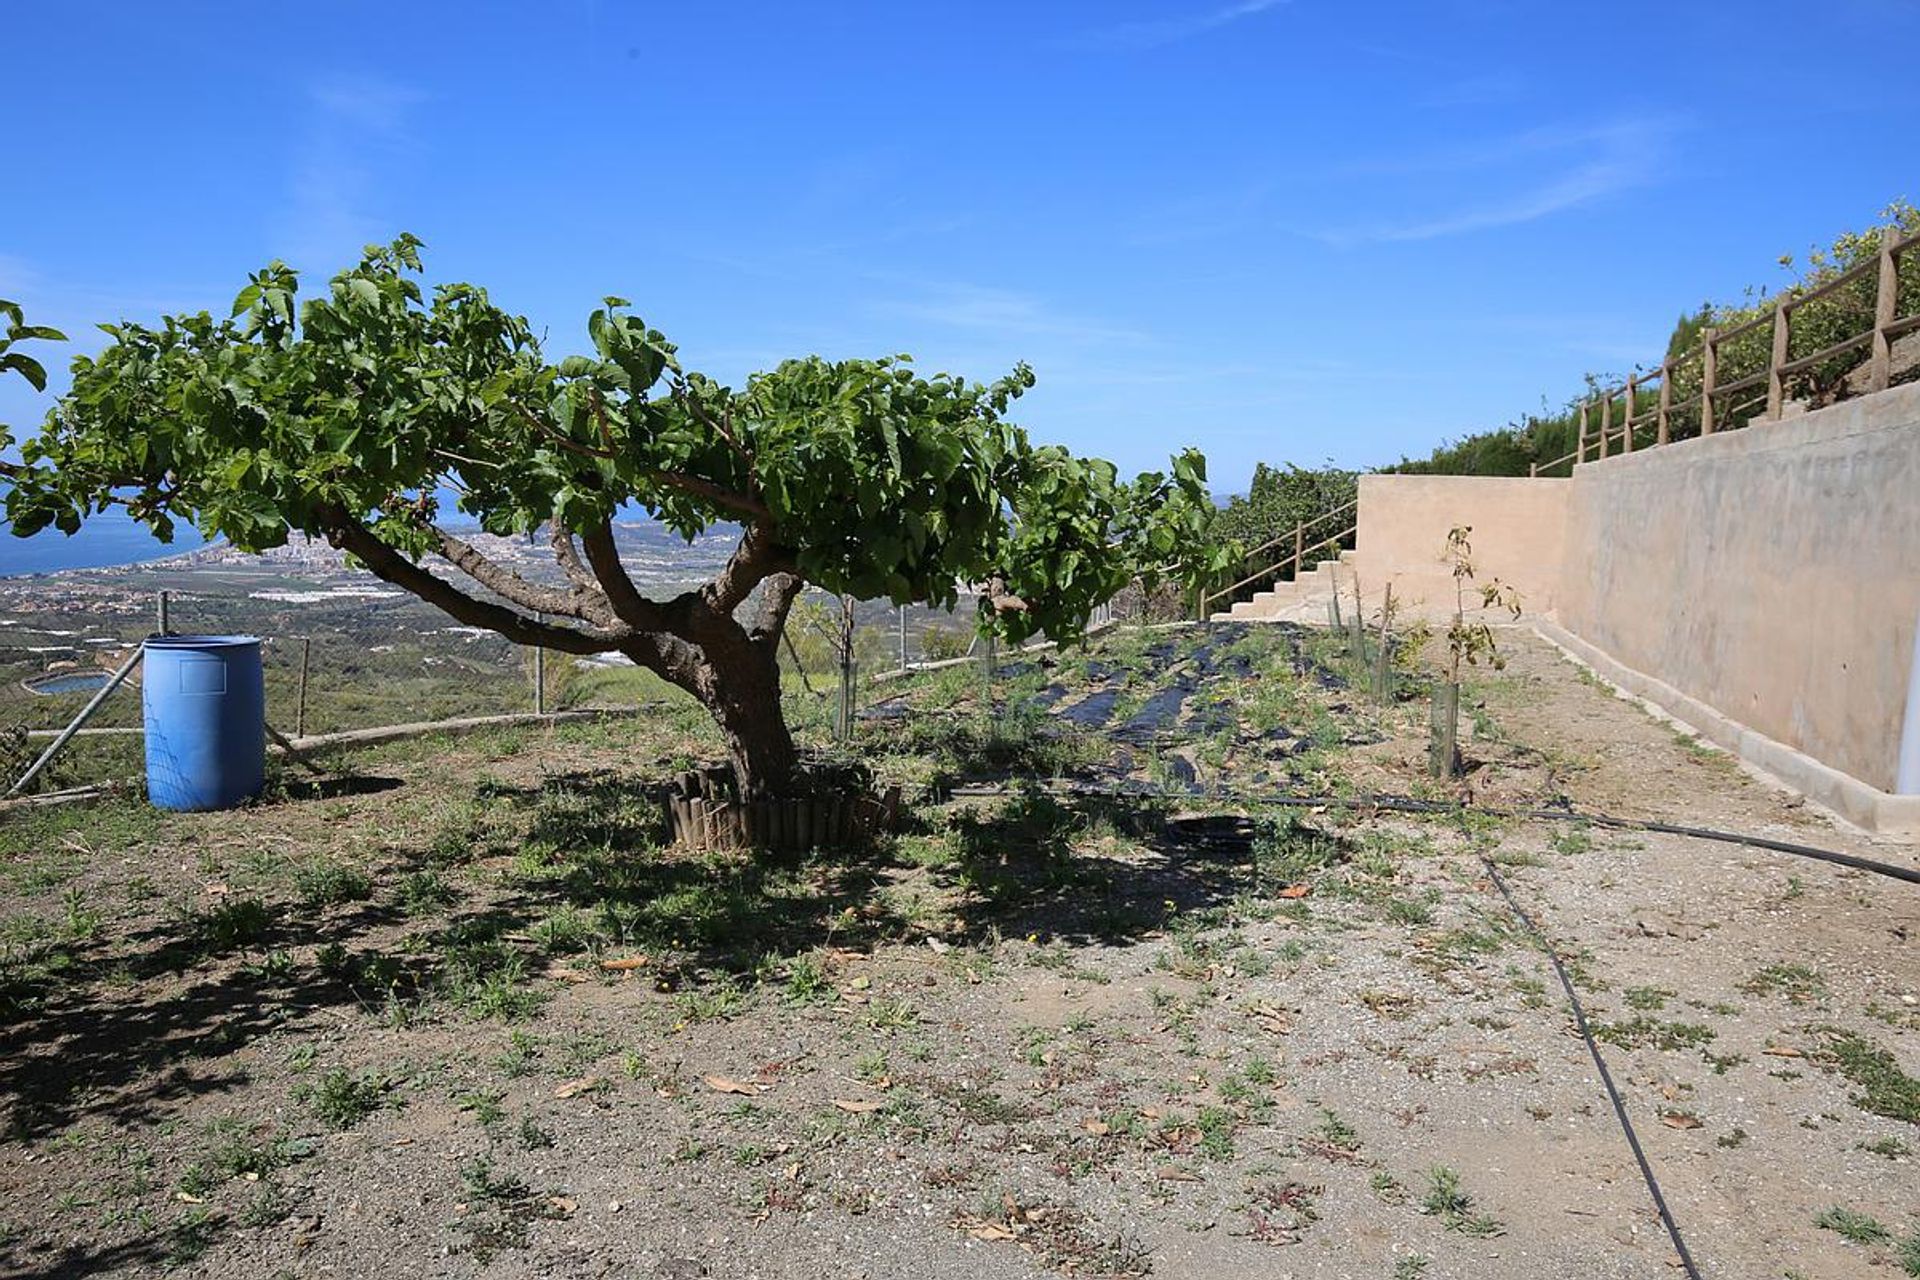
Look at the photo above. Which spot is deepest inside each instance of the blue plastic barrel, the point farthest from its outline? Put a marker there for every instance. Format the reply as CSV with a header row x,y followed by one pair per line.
x,y
206,716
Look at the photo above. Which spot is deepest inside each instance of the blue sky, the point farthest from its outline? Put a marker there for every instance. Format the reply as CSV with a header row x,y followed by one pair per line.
x,y
1283,231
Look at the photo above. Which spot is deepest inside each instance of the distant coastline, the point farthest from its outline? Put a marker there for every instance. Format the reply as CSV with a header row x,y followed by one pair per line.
x,y
105,541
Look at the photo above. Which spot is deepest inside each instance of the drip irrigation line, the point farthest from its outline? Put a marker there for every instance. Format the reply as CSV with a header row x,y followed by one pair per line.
x,y
1600,1062
1409,804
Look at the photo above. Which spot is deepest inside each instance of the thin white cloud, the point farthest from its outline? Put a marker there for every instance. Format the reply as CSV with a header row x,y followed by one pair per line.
x,y
333,188
1586,166
1004,311
1164,31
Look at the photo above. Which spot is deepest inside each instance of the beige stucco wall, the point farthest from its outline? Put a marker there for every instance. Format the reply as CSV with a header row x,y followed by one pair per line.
x,y
1518,532
1772,574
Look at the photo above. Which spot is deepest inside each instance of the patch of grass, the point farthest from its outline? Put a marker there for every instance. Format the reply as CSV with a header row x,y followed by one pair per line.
x,y
1642,1031
324,882
1216,1125
1798,983
341,1099
1855,1228
1448,1200
1412,1267
1891,1148
564,930
1648,999
1886,1090
423,893
236,925
1287,850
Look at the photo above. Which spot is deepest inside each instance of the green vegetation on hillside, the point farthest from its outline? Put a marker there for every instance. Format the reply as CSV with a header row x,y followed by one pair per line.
x,y
1541,438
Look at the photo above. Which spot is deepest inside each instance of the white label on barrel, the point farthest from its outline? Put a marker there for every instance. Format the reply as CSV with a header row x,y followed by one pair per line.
x,y
203,675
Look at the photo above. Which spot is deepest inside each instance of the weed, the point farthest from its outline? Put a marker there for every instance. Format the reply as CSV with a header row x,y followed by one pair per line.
x,y
1648,999
1642,1031
1855,1228
423,893
1216,1126
1891,1148
323,882
1412,1267
564,930
1886,1090
236,925
1797,983
807,981
1449,1201
1386,1188
342,1099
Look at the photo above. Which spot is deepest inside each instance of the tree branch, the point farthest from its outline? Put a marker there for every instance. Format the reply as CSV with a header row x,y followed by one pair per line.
x,y
752,560
628,604
777,595
716,493
504,582
387,564
567,555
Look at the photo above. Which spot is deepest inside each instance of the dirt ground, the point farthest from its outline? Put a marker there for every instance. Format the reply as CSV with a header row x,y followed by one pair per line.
x,y
1096,1011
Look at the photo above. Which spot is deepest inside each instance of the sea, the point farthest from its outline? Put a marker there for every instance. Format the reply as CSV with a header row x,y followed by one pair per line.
x,y
105,540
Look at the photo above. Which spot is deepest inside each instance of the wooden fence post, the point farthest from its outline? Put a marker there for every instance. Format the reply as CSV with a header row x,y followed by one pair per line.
x,y
1666,399
1776,378
1580,447
300,707
1606,421
1709,370
1626,434
1880,366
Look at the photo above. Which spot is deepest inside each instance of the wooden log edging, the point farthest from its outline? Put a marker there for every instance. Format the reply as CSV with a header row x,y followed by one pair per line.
x,y
705,812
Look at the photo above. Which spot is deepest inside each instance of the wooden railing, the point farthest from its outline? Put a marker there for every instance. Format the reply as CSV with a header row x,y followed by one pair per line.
x,y
1647,403
1309,537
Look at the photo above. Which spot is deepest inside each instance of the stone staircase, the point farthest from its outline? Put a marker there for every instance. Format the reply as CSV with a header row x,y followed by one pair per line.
x,y
1302,599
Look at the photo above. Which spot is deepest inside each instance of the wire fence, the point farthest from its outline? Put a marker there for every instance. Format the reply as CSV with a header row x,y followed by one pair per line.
x,y
356,654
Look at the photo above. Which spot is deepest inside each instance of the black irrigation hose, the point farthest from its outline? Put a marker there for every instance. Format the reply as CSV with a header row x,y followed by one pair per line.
x,y
1606,1077
1408,804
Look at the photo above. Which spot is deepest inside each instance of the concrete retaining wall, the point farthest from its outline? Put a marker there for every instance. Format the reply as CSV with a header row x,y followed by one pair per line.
x,y
1769,576
1518,526
1772,573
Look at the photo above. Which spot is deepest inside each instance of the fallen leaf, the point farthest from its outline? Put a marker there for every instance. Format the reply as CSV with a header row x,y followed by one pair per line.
x,y
562,973
720,1084
939,948
988,1231
1680,1120
573,1088
1172,1173
1782,1051
562,1206
858,1107
625,964
1098,1128
1296,891
184,1198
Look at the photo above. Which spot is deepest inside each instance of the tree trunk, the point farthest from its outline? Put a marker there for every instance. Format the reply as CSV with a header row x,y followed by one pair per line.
x,y
737,679
750,717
